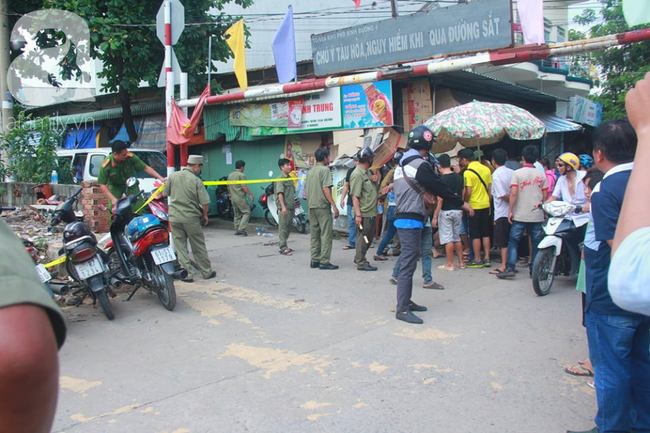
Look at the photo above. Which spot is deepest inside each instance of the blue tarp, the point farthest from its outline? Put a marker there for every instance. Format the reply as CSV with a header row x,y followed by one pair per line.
x,y
82,138
122,135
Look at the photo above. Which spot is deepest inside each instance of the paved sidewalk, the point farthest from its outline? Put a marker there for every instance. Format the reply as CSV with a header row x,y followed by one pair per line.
x,y
271,345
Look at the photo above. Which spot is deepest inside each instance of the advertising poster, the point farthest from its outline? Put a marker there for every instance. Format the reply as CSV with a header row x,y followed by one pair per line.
x,y
320,110
368,105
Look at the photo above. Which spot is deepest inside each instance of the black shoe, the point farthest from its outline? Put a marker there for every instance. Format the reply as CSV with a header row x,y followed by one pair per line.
x,y
328,267
593,430
212,275
508,273
238,232
187,280
415,307
314,265
409,317
367,268
243,233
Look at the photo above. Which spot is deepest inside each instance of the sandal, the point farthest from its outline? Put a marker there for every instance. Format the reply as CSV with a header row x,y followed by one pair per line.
x,y
432,285
578,372
393,280
463,266
445,268
497,271
286,252
349,247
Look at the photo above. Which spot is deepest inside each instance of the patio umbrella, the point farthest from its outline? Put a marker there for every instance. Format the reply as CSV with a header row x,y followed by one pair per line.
x,y
479,123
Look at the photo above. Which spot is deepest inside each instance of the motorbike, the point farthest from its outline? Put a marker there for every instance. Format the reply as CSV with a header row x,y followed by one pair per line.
x,y
267,201
558,252
86,263
224,206
140,252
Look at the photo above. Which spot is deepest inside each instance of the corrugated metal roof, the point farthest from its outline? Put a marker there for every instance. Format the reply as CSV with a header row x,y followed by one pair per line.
x,y
557,124
111,113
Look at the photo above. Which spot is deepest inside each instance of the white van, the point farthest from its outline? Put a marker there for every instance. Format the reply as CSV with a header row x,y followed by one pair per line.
x,y
85,164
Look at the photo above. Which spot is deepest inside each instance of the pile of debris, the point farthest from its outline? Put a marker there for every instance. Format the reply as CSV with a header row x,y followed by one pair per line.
x,y
34,226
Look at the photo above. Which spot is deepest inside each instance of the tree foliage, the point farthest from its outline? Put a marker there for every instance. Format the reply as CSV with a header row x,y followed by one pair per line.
x,y
123,37
621,66
32,147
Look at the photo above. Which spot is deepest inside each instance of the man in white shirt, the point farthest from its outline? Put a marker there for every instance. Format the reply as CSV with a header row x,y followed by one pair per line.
x,y
501,196
528,188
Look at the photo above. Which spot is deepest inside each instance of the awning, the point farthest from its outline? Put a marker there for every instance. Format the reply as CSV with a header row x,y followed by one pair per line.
x,y
557,124
85,119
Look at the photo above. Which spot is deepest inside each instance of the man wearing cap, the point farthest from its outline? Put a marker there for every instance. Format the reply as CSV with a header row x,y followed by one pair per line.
x,y
318,188
117,168
364,200
188,210
237,193
413,177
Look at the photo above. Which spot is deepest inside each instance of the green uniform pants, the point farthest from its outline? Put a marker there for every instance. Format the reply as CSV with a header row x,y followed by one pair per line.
x,y
284,227
320,226
361,245
182,232
242,211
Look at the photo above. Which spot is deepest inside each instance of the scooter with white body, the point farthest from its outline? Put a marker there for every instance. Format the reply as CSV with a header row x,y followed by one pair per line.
x,y
558,252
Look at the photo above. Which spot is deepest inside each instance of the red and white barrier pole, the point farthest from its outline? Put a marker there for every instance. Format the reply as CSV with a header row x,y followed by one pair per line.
x,y
523,53
169,80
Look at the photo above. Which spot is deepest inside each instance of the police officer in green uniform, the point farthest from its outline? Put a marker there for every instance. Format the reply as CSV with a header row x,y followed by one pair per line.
x,y
285,194
117,168
188,209
240,205
32,328
318,188
364,200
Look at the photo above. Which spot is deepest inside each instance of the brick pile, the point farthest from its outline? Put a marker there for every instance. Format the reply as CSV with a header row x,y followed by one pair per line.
x,y
92,202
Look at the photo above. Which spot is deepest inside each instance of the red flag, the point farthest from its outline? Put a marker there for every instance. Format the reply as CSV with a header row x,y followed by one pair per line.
x,y
357,3
180,128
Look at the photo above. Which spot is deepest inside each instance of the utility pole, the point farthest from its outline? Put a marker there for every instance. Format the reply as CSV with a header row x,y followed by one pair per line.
x,y
393,8
7,111
5,97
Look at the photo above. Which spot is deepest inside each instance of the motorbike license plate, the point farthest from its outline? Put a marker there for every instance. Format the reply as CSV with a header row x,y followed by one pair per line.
x,y
299,210
43,273
90,268
163,255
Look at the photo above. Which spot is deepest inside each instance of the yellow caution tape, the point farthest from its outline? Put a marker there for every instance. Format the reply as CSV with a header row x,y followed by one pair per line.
x,y
243,182
150,199
56,262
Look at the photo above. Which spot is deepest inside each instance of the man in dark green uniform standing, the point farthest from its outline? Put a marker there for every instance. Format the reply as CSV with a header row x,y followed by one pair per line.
x,y
318,188
364,200
117,168
188,209
240,205
285,194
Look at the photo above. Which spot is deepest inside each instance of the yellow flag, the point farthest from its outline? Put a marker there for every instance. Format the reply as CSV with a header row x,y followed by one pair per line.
x,y
236,43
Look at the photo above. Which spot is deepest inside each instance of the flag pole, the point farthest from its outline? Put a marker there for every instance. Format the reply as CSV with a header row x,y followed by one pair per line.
x,y
209,59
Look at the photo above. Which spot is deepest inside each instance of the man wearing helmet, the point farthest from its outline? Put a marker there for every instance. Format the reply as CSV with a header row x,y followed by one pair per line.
x,y
570,188
413,177
364,200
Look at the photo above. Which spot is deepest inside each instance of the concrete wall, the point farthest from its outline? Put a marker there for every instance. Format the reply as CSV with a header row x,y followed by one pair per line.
x,y
90,201
23,194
